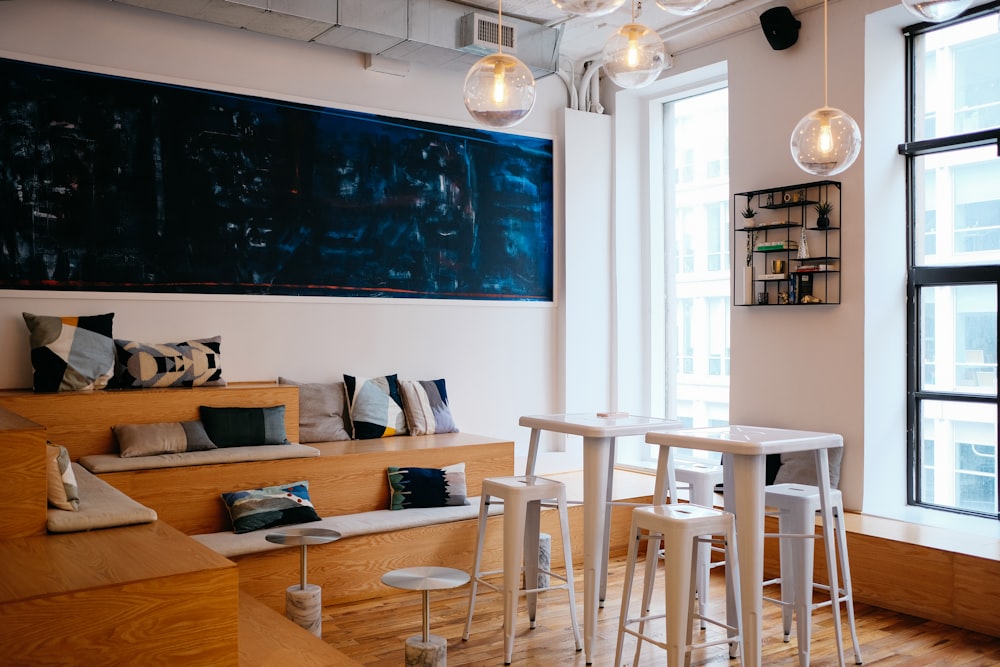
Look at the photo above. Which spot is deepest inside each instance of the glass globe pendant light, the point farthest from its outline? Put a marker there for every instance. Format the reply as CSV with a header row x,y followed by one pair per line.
x,y
827,140
683,7
936,11
588,7
499,89
634,55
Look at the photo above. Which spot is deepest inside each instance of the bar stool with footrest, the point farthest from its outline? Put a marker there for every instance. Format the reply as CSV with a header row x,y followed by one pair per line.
x,y
797,505
701,480
522,499
682,528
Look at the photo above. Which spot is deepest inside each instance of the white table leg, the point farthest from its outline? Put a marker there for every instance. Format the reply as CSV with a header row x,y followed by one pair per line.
x,y
823,476
529,468
746,500
595,485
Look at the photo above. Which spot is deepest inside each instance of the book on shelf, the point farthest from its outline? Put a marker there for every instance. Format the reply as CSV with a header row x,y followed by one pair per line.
x,y
778,245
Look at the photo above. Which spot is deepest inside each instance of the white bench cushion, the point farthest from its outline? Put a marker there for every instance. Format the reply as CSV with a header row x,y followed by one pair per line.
x,y
101,506
230,544
101,463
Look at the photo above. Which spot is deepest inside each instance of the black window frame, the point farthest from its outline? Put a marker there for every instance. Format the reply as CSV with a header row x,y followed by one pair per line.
x,y
919,277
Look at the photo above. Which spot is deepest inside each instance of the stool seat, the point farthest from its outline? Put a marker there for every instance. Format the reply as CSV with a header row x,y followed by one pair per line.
x,y
682,528
522,497
797,505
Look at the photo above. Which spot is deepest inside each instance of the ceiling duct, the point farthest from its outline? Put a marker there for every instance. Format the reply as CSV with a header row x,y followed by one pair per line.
x,y
481,35
426,32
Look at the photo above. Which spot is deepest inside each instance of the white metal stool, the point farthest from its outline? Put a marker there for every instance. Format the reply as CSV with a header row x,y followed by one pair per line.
x,y
522,498
682,528
701,479
797,505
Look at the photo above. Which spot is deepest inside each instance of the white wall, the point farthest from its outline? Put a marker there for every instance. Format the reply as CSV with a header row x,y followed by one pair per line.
x,y
497,358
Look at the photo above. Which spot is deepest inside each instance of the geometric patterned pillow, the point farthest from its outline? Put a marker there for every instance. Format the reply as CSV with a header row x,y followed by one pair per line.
x,y
375,406
426,405
427,487
191,363
270,506
62,489
71,353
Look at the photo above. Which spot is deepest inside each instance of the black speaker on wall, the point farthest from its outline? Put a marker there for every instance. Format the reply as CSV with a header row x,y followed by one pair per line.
x,y
780,27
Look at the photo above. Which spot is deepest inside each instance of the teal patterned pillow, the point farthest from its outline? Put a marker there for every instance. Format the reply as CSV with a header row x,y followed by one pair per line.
x,y
270,506
375,406
71,353
427,487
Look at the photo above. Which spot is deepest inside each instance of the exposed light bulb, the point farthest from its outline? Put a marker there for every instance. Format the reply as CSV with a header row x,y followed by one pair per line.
x,y
634,56
825,142
499,87
499,90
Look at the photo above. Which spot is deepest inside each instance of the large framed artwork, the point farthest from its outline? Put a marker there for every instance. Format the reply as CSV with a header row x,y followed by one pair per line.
x,y
117,184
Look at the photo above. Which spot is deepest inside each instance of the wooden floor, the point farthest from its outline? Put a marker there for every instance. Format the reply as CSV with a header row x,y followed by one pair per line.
x,y
373,631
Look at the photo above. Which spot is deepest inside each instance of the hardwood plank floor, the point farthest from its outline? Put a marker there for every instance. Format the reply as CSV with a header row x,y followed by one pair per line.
x,y
373,631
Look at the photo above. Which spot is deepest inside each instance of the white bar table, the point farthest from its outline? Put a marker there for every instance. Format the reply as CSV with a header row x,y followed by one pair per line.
x,y
745,450
599,435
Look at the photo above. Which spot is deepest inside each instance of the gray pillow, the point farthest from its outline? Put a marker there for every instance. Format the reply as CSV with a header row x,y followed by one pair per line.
x,y
321,411
161,438
800,468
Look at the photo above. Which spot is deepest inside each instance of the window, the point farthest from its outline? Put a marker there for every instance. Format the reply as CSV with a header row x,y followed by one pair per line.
x,y
953,175
694,284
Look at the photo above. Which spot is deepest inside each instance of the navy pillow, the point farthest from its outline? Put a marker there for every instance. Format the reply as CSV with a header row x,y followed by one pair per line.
x,y
238,427
427,487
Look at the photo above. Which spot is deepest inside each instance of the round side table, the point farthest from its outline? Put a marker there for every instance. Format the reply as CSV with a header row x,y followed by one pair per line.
x,y
426,650
304,602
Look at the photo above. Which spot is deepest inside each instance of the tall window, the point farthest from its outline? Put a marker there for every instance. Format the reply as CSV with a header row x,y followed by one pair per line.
x,y
696,211
694,284
953,173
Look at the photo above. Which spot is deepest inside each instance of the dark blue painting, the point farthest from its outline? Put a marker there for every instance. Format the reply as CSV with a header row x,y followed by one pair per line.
x,y
114,184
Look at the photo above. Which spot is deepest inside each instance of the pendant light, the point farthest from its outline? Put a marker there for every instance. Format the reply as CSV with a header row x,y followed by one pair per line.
x,y
827,140
588,7
634,55
499,89
683,7
936,11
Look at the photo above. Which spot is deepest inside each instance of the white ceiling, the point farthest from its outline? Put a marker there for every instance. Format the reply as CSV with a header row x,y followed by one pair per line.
x,y
582,37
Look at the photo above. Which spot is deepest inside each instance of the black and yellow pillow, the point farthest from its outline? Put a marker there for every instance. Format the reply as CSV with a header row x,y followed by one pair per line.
x,y
71,353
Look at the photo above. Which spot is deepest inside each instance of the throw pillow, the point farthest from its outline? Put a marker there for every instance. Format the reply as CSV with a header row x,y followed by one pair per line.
x,y
427,487
62,488
425,403
71,353
239,427
375,406
161,438
321,411
800,468
270,506
191,363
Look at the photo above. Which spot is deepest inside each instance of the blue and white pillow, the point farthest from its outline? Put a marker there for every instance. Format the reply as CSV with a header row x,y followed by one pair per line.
x,y
375,406
425,403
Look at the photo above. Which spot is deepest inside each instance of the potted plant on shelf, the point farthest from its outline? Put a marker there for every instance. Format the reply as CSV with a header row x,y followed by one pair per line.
x,y
823,209
748,216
